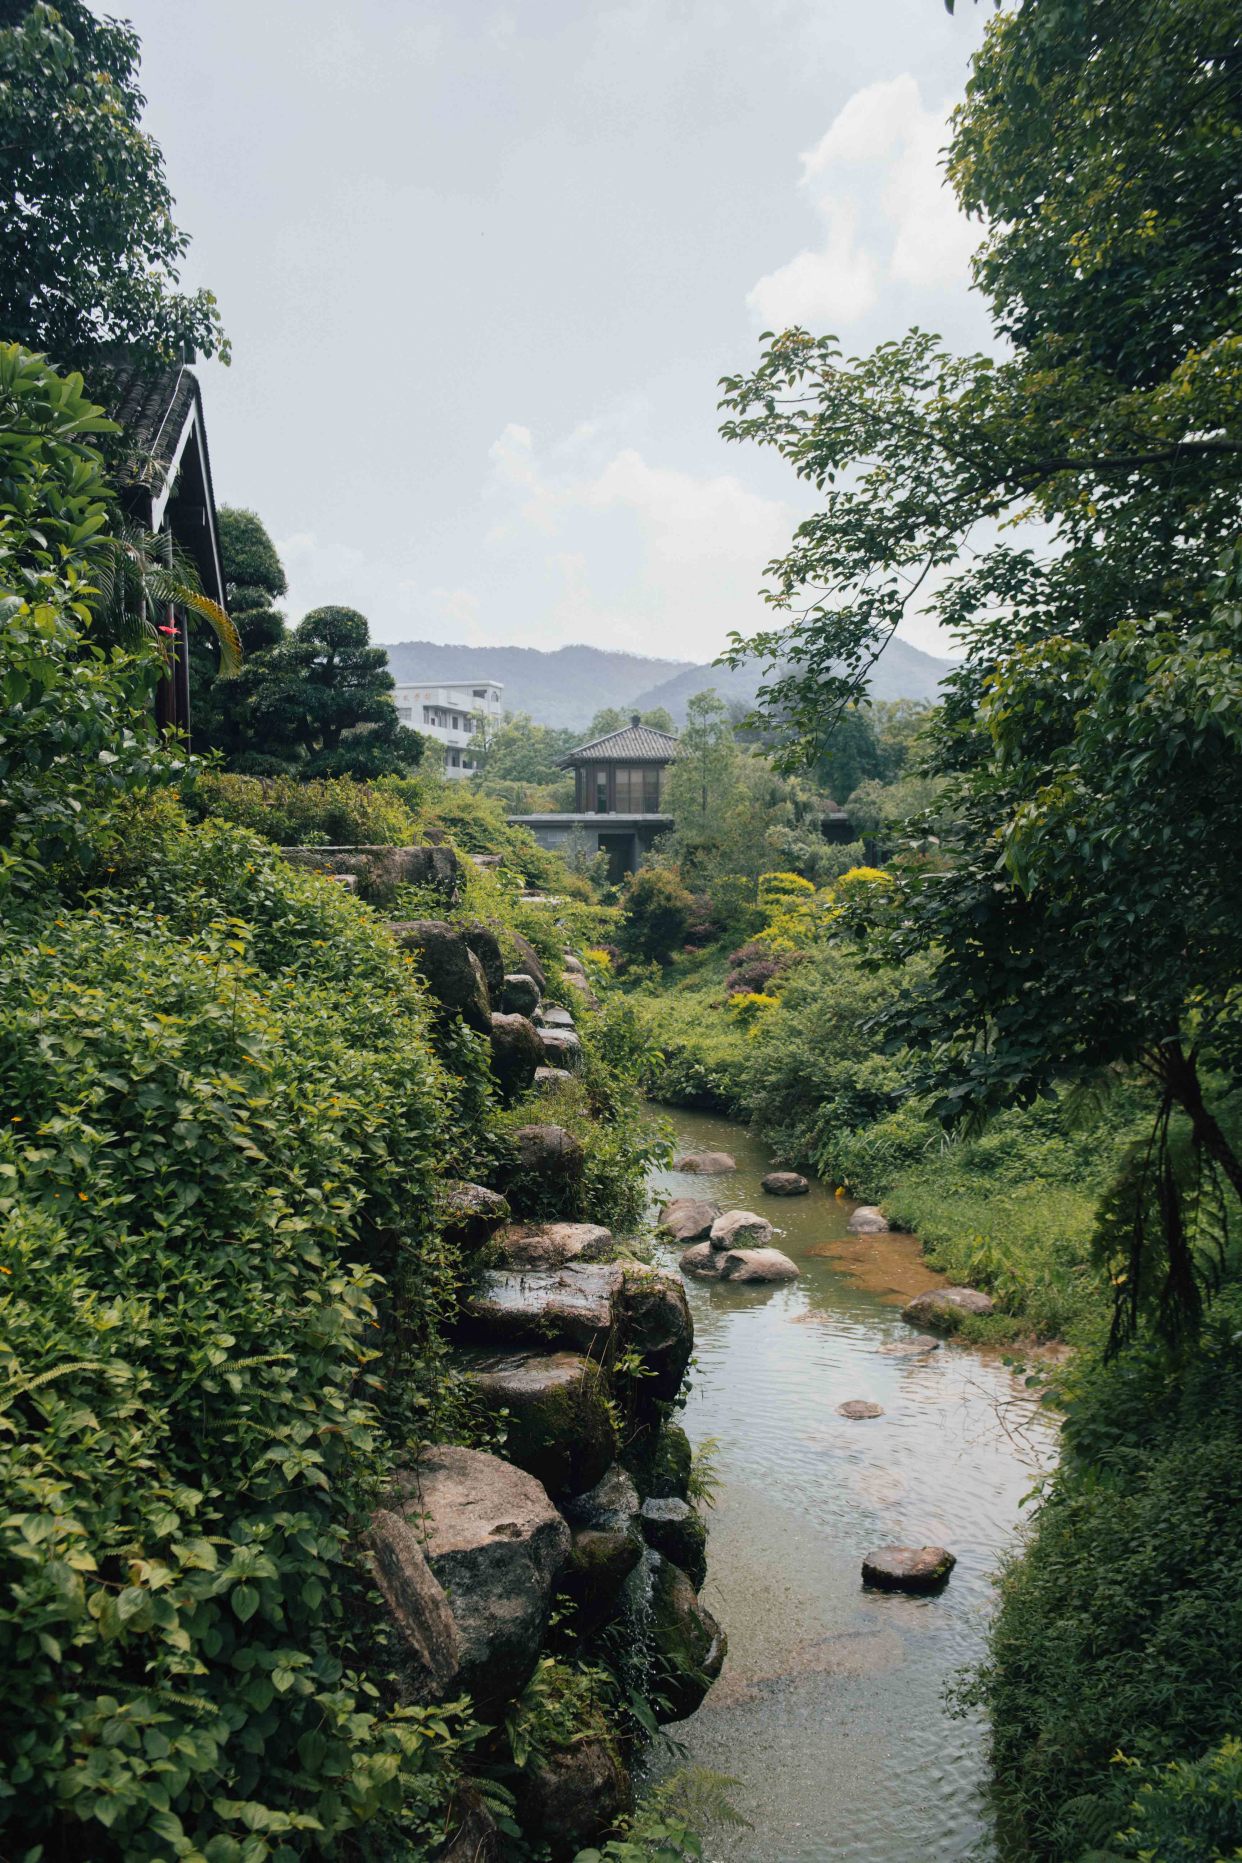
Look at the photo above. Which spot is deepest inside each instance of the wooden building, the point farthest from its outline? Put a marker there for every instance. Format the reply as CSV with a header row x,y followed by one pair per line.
x,y
618,797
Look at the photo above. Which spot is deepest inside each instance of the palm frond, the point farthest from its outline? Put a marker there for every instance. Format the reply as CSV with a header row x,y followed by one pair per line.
x,y
137,574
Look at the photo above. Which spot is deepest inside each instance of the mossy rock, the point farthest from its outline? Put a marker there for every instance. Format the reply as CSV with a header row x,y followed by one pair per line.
x,y
673,1528
661,1463
599,1564
689,1645
559,1427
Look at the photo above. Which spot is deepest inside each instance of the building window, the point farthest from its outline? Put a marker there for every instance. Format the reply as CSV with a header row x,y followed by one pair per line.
x,y
480,692
651,789
600,790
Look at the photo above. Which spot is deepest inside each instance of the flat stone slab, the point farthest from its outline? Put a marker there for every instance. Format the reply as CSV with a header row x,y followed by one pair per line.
x,y
785,1184
706,1163
561,1309
859,1407
688,1219
741,1229
908,1568
496,1545
554,1017
551,1245
941,1309
868,1220
756,1264
551,1076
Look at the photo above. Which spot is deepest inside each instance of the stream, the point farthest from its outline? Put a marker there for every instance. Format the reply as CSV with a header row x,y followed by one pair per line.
x,y
831,1712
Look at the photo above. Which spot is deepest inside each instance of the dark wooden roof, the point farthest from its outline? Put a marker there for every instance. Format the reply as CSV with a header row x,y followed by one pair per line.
x,y
164,476
634,743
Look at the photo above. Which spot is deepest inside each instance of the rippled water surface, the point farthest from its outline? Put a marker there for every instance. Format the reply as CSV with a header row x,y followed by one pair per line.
x,y
831,1709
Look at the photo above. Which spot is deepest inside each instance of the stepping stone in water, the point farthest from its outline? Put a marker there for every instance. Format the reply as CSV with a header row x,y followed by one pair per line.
x,y
785,1184
941,1308
908,1568
908,1348
740,1229
705,1163
859,1407
688,1219
756,1264
868,1220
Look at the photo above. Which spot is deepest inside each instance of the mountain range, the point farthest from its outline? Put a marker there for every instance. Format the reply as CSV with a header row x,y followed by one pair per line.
x,y
566,686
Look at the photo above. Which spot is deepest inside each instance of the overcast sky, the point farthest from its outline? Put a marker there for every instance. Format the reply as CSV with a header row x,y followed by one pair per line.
x,y
482,266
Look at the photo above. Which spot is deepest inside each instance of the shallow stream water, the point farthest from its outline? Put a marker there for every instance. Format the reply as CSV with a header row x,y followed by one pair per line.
x,y
831,1713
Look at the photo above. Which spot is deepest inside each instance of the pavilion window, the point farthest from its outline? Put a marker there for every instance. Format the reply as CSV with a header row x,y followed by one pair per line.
x,y
599,789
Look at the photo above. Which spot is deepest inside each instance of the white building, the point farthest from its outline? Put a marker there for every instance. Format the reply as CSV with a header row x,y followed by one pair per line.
x,y
453,712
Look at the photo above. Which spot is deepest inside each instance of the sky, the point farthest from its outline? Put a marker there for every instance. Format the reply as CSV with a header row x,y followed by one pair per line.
x,y
482,267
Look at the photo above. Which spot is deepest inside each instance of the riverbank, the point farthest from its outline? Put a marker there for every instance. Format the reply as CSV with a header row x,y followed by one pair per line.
x,y
1011,1209
830,1712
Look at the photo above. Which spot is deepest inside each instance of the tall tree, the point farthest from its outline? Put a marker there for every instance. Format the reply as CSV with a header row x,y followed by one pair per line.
x,y
1092,730
323,695
89,251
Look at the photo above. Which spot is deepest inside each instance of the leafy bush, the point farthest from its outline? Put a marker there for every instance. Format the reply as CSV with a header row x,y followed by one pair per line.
x,y
1119,1628
1186,1810
655,913
330,812
226,1132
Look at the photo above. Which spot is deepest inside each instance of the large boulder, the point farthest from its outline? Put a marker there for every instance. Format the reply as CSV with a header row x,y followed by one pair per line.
x,y
551,1245
570,1797
942,1309
449,968
497,1545
756,1264
516,1053
544,1176
519,994
655,1323
740,1229
688,1644
483,941
558,1427
702,1261
470,1214
705,1163
528,961
785,1184
572,1309
867,1220
429,1647
688,1219
561,1048
908,1568
673,1528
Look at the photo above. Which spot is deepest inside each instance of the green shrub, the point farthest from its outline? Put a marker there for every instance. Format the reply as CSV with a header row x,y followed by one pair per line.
x,y
1187,1810
329,812
655,912
1119,1629
224,1130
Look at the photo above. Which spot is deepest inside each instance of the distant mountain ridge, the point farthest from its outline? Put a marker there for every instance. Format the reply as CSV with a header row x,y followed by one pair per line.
x,y
564,686
901,672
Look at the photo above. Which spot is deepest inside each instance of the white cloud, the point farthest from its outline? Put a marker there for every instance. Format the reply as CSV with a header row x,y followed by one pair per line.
x,y
641,556
878,168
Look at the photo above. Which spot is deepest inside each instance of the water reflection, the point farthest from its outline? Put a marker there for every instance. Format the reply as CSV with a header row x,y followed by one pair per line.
x,y
831,1709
